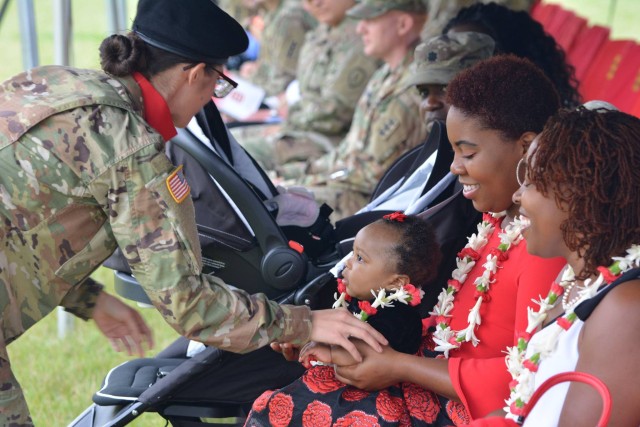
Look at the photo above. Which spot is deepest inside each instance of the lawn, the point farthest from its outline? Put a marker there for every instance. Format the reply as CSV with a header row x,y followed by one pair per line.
x,y
60,375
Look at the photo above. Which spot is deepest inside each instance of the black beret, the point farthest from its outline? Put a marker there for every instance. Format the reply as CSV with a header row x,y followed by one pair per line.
x,y
195,29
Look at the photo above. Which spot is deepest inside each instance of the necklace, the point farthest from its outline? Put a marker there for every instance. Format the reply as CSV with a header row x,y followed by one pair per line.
x,y
447,339
522,368
566,305
406,294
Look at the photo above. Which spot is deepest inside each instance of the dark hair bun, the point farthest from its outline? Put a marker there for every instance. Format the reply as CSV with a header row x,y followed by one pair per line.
x,y
122,55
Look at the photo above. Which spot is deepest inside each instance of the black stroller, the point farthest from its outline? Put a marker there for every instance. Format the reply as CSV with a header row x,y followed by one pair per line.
x,y
258,255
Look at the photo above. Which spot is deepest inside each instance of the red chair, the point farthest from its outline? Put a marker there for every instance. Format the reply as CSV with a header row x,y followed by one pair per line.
x,y
543,13
568,33
623,90
585,47
636,109
556,25
604,68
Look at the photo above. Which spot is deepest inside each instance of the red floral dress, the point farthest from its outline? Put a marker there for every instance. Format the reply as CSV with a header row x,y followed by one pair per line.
x,y
318,399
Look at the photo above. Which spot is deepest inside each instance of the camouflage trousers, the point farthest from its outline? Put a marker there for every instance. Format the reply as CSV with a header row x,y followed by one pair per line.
x,y
345,202
14,411
272,148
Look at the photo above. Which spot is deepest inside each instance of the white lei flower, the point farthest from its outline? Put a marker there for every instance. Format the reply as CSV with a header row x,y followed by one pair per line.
x,y
447,339
523,370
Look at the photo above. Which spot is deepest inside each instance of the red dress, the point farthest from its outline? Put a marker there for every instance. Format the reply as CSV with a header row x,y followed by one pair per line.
x,y
479,374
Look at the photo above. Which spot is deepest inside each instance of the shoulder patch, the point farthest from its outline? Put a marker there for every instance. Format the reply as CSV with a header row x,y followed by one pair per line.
x,y
357,77
178,186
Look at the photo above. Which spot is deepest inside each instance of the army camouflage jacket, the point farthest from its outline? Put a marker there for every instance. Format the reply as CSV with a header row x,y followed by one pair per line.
x,y
386,124
332,72
82,173
282,37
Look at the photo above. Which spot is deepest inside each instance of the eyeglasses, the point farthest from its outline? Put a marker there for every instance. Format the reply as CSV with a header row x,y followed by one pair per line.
x,y
224,84
521,172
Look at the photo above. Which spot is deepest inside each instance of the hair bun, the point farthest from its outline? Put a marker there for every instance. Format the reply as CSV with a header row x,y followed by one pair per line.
x,y
121,55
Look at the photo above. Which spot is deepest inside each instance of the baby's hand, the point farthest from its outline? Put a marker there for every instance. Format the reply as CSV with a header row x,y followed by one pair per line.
x,y
315,352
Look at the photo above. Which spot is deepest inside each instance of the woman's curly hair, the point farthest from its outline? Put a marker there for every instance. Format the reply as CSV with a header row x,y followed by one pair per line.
x,y
516,32
505,93
590,161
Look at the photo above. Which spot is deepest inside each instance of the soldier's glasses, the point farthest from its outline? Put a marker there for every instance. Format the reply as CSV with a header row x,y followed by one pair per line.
x,y
224,84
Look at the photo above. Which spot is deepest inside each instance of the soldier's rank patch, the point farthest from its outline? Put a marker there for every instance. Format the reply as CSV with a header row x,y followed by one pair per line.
x,y
389,127
178,186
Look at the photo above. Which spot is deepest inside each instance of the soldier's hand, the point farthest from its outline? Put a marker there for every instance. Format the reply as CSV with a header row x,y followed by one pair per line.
x,y
336,326
288,350
122,325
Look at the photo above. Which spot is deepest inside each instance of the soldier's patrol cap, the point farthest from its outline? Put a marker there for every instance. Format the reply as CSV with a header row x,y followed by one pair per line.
x,y
438,60
368,9
194,29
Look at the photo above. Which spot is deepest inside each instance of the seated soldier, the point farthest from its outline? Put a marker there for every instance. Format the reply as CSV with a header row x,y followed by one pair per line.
x,y
332,73
285,26
346,178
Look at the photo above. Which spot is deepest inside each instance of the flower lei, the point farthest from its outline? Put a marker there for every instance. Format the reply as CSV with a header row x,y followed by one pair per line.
x,y
407,294
447,339
523,369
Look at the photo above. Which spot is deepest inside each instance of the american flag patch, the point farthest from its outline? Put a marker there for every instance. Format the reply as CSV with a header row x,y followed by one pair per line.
x,y
178,186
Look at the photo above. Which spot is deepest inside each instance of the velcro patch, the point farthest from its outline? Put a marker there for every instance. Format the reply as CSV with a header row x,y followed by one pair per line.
x,y
178,186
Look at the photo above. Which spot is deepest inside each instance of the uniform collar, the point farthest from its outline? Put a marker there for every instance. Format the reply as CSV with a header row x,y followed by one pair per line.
x,y
156,110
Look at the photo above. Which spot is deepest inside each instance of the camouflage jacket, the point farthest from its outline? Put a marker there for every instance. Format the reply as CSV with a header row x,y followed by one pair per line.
x,y
333,72
386,124
82,173
282,37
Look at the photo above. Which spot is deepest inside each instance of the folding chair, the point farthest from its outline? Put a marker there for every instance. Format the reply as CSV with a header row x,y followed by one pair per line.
x,y
604,68
586,47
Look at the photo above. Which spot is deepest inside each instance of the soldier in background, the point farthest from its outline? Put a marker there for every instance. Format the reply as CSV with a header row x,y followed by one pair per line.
x,y
84,172
386,122
435,64
441,11
285,25
332,74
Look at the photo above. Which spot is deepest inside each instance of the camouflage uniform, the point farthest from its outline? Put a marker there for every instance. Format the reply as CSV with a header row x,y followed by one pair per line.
x,y
385,125
332,72
238,10
283,36
83,173
442,11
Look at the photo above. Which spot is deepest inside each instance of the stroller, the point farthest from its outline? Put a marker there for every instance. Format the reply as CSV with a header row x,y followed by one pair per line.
x,y
175,386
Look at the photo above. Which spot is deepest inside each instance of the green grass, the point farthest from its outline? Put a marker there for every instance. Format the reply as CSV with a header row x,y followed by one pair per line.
x,y
59,376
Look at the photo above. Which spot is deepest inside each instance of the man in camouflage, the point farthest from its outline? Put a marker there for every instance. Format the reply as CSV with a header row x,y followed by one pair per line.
x,y
332,74
285,25
386,122
84,172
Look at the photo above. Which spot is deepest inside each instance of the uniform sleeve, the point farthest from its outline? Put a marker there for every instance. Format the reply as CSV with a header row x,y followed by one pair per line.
x,y
152,218
471,377
81,298
283,54
331,112
396,128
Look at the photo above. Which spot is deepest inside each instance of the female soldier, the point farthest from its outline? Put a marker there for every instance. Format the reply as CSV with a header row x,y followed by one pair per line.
x,y
84,172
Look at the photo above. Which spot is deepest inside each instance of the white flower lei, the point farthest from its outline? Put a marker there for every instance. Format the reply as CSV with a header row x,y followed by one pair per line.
x,y
406,295
447,339
523,370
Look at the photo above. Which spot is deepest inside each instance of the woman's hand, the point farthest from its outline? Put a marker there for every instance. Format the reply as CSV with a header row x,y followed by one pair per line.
x,y
375,372
336,326
314,351
289,351
122,325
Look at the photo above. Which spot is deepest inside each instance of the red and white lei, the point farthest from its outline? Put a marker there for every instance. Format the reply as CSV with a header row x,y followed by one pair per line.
x,y
447,339
407,294
522,368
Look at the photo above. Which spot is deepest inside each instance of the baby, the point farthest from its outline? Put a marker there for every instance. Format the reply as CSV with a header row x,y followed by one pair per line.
x,y
381,282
